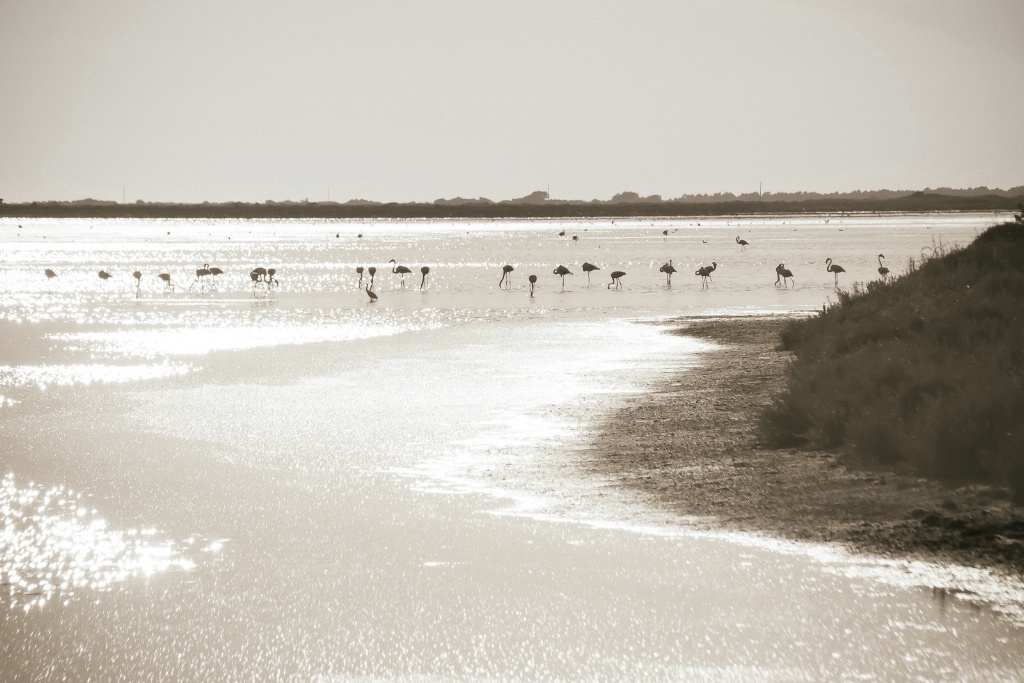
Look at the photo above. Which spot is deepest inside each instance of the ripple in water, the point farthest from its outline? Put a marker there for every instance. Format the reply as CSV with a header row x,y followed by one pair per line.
x,y
52,545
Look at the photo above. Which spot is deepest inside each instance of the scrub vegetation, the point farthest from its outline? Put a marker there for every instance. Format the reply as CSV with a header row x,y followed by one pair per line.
x,y
923,372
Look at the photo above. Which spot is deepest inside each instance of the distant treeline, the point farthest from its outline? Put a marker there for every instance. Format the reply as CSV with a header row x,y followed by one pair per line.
x,y
539,205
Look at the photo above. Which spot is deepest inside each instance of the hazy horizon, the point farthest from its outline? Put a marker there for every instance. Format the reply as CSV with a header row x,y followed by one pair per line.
x,y
411,102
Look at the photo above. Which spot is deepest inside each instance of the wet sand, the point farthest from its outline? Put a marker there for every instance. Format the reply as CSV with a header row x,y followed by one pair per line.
x,y
692,445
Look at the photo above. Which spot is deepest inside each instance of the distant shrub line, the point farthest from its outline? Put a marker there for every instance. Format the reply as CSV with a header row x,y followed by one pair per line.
x,y
926,370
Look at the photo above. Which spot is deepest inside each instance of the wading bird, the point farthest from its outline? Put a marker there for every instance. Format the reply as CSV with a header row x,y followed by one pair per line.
x,y
575,238
743,243
400,270
616,274
668,269
424,270
705,273
505,277
588,268
201,274
138,283
563,271
373,272
882,270
258,276
166,277
215,271
560,234
781,273
104,275
834,268
369,292
359,269
271,281
49,274
533,281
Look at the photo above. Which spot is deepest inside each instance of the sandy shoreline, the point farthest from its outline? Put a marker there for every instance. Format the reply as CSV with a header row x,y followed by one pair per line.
x,y
692,445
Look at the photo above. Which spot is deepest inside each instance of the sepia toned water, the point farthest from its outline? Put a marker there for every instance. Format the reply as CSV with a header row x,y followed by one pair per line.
x,y
225,483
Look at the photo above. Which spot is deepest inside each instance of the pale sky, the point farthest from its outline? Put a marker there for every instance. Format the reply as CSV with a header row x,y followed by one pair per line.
x,y
193,100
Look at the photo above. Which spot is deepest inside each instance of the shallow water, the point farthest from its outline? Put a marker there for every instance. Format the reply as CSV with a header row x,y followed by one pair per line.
x,y
209,484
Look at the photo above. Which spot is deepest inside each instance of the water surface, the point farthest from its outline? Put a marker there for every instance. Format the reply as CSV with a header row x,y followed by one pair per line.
x,y
222,483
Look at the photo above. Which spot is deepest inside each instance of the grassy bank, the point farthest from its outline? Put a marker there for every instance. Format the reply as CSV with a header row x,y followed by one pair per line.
x,y
924,372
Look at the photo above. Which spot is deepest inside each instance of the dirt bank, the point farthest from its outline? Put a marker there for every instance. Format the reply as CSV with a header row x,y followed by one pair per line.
x,y
693,444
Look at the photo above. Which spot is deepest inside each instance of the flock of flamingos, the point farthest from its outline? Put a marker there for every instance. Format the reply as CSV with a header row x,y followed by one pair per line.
x,y
264,280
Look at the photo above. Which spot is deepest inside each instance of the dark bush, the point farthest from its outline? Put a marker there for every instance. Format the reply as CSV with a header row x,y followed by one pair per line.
x,y
925,369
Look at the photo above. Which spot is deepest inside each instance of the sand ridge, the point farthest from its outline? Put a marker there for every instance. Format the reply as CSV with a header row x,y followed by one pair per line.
x,y
692,444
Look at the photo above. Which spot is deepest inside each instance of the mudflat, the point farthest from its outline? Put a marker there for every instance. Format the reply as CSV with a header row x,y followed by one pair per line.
x,y
692,444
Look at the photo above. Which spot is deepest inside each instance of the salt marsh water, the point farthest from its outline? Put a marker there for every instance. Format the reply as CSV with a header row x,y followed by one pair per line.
x,y
221,483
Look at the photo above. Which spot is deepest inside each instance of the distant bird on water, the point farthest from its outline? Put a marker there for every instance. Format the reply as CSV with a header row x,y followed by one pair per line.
x,y
743,243
575,238
882,270
369,292
506,278
560,234
834,269
668,269
425,270
616,274
588,268
104,275
400,270
705,273
563,271
781,273
533,281
49,274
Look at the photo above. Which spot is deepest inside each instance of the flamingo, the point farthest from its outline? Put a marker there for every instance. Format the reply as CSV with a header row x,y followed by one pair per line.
x,y
424,270
668,269
882,270
359,269
834,268
138,283
781,273
705,273
575,238
258,276
563,271
200,274
616,274
533,281
373,272
104,275
562,233
400,270
49,274
166,277
743,243
587,268
505,277
215,271
369,292
271,281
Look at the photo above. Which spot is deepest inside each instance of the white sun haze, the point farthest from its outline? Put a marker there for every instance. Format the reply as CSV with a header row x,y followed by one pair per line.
x,y
412,101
